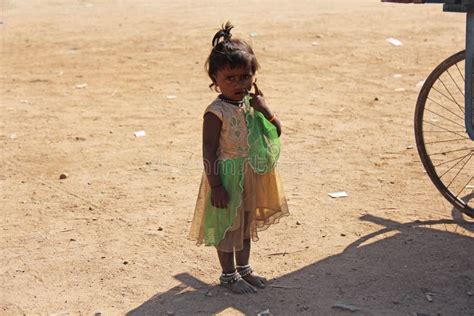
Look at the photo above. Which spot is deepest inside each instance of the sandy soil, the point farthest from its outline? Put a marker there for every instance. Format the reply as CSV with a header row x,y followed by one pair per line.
x,y
80,77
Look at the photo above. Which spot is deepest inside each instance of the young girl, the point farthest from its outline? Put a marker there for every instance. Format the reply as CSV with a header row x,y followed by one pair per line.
x,y
240,191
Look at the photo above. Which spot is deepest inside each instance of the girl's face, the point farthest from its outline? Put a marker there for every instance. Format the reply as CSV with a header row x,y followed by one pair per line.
x,y
234,83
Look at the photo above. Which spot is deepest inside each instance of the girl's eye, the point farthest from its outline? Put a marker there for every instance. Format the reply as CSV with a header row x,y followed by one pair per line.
x,y
231,78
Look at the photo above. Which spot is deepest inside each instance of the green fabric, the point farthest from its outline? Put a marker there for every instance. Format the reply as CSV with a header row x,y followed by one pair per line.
x,y
264,151
263,140
217,220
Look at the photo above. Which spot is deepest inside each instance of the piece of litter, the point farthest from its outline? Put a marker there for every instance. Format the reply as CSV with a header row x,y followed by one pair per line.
x,y
81,86
13,136
171,97
345,307
264,313
470,187
410,147
139,133
338,194
397,76
400,89
394,41
314,43
429,297
253,34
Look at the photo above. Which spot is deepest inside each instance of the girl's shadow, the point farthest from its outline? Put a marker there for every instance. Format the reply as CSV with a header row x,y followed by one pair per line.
x,y
416,268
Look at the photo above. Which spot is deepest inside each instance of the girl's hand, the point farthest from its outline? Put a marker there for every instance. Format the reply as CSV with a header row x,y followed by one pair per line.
x,y
258,102
219,197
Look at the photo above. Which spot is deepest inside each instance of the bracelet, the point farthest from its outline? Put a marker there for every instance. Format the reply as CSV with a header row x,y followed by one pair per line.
x,y
274,117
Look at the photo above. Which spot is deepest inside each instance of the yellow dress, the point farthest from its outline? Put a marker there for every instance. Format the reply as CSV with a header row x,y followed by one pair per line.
x,y
262,202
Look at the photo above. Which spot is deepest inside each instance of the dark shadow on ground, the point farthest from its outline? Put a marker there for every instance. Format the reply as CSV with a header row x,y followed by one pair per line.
x,y
418,270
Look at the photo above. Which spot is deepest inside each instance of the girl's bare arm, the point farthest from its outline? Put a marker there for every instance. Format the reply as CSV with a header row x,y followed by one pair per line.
x,y
210,136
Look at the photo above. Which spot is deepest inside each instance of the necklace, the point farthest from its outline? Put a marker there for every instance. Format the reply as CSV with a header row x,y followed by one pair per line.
x,y
233,102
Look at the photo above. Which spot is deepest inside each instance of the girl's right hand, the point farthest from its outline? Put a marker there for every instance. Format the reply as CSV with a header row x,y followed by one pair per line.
x,y
219,197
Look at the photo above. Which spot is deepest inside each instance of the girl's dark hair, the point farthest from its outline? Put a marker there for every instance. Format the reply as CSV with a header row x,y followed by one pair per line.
x,y
229,52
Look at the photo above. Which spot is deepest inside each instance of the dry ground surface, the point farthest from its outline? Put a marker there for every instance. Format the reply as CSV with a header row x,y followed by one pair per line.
x,y
78,78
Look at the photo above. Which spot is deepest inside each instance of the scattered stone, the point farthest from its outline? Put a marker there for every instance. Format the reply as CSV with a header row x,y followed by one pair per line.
x,y
209,293
63,176
125,262
160,229
429,298
298,223
265,313
345,307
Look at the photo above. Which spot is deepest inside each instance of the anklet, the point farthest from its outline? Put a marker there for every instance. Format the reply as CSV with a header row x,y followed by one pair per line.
x,y
244,270
230,278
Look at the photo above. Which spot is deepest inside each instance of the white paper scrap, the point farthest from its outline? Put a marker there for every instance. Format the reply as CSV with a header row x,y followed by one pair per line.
x,y
171,97
338,194
81,86
394,41
397,75
139,133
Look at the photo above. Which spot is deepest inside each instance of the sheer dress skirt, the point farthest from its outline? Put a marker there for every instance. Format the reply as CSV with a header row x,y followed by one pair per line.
x,y
263,204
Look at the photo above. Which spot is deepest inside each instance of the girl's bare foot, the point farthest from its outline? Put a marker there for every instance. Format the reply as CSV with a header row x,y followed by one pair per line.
x,y
235,283
251,277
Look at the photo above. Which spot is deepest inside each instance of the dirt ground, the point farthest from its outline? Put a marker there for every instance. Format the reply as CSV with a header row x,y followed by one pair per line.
x,y
79,78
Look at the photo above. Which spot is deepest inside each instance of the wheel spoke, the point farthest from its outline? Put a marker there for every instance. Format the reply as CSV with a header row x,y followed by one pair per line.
x,y
451,95
459,171
447,141
455,83
462,158
465,186
454,101
449,120
455,114
446,130
450,151
445,162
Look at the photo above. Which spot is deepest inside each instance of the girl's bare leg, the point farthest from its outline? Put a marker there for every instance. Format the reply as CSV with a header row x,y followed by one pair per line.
x,y
243,267
237,285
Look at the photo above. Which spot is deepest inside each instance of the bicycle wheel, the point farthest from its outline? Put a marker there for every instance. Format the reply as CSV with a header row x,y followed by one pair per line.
x,y
445,149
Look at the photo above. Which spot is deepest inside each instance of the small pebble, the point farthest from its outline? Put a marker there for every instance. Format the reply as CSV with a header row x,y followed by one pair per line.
x,y
63,176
